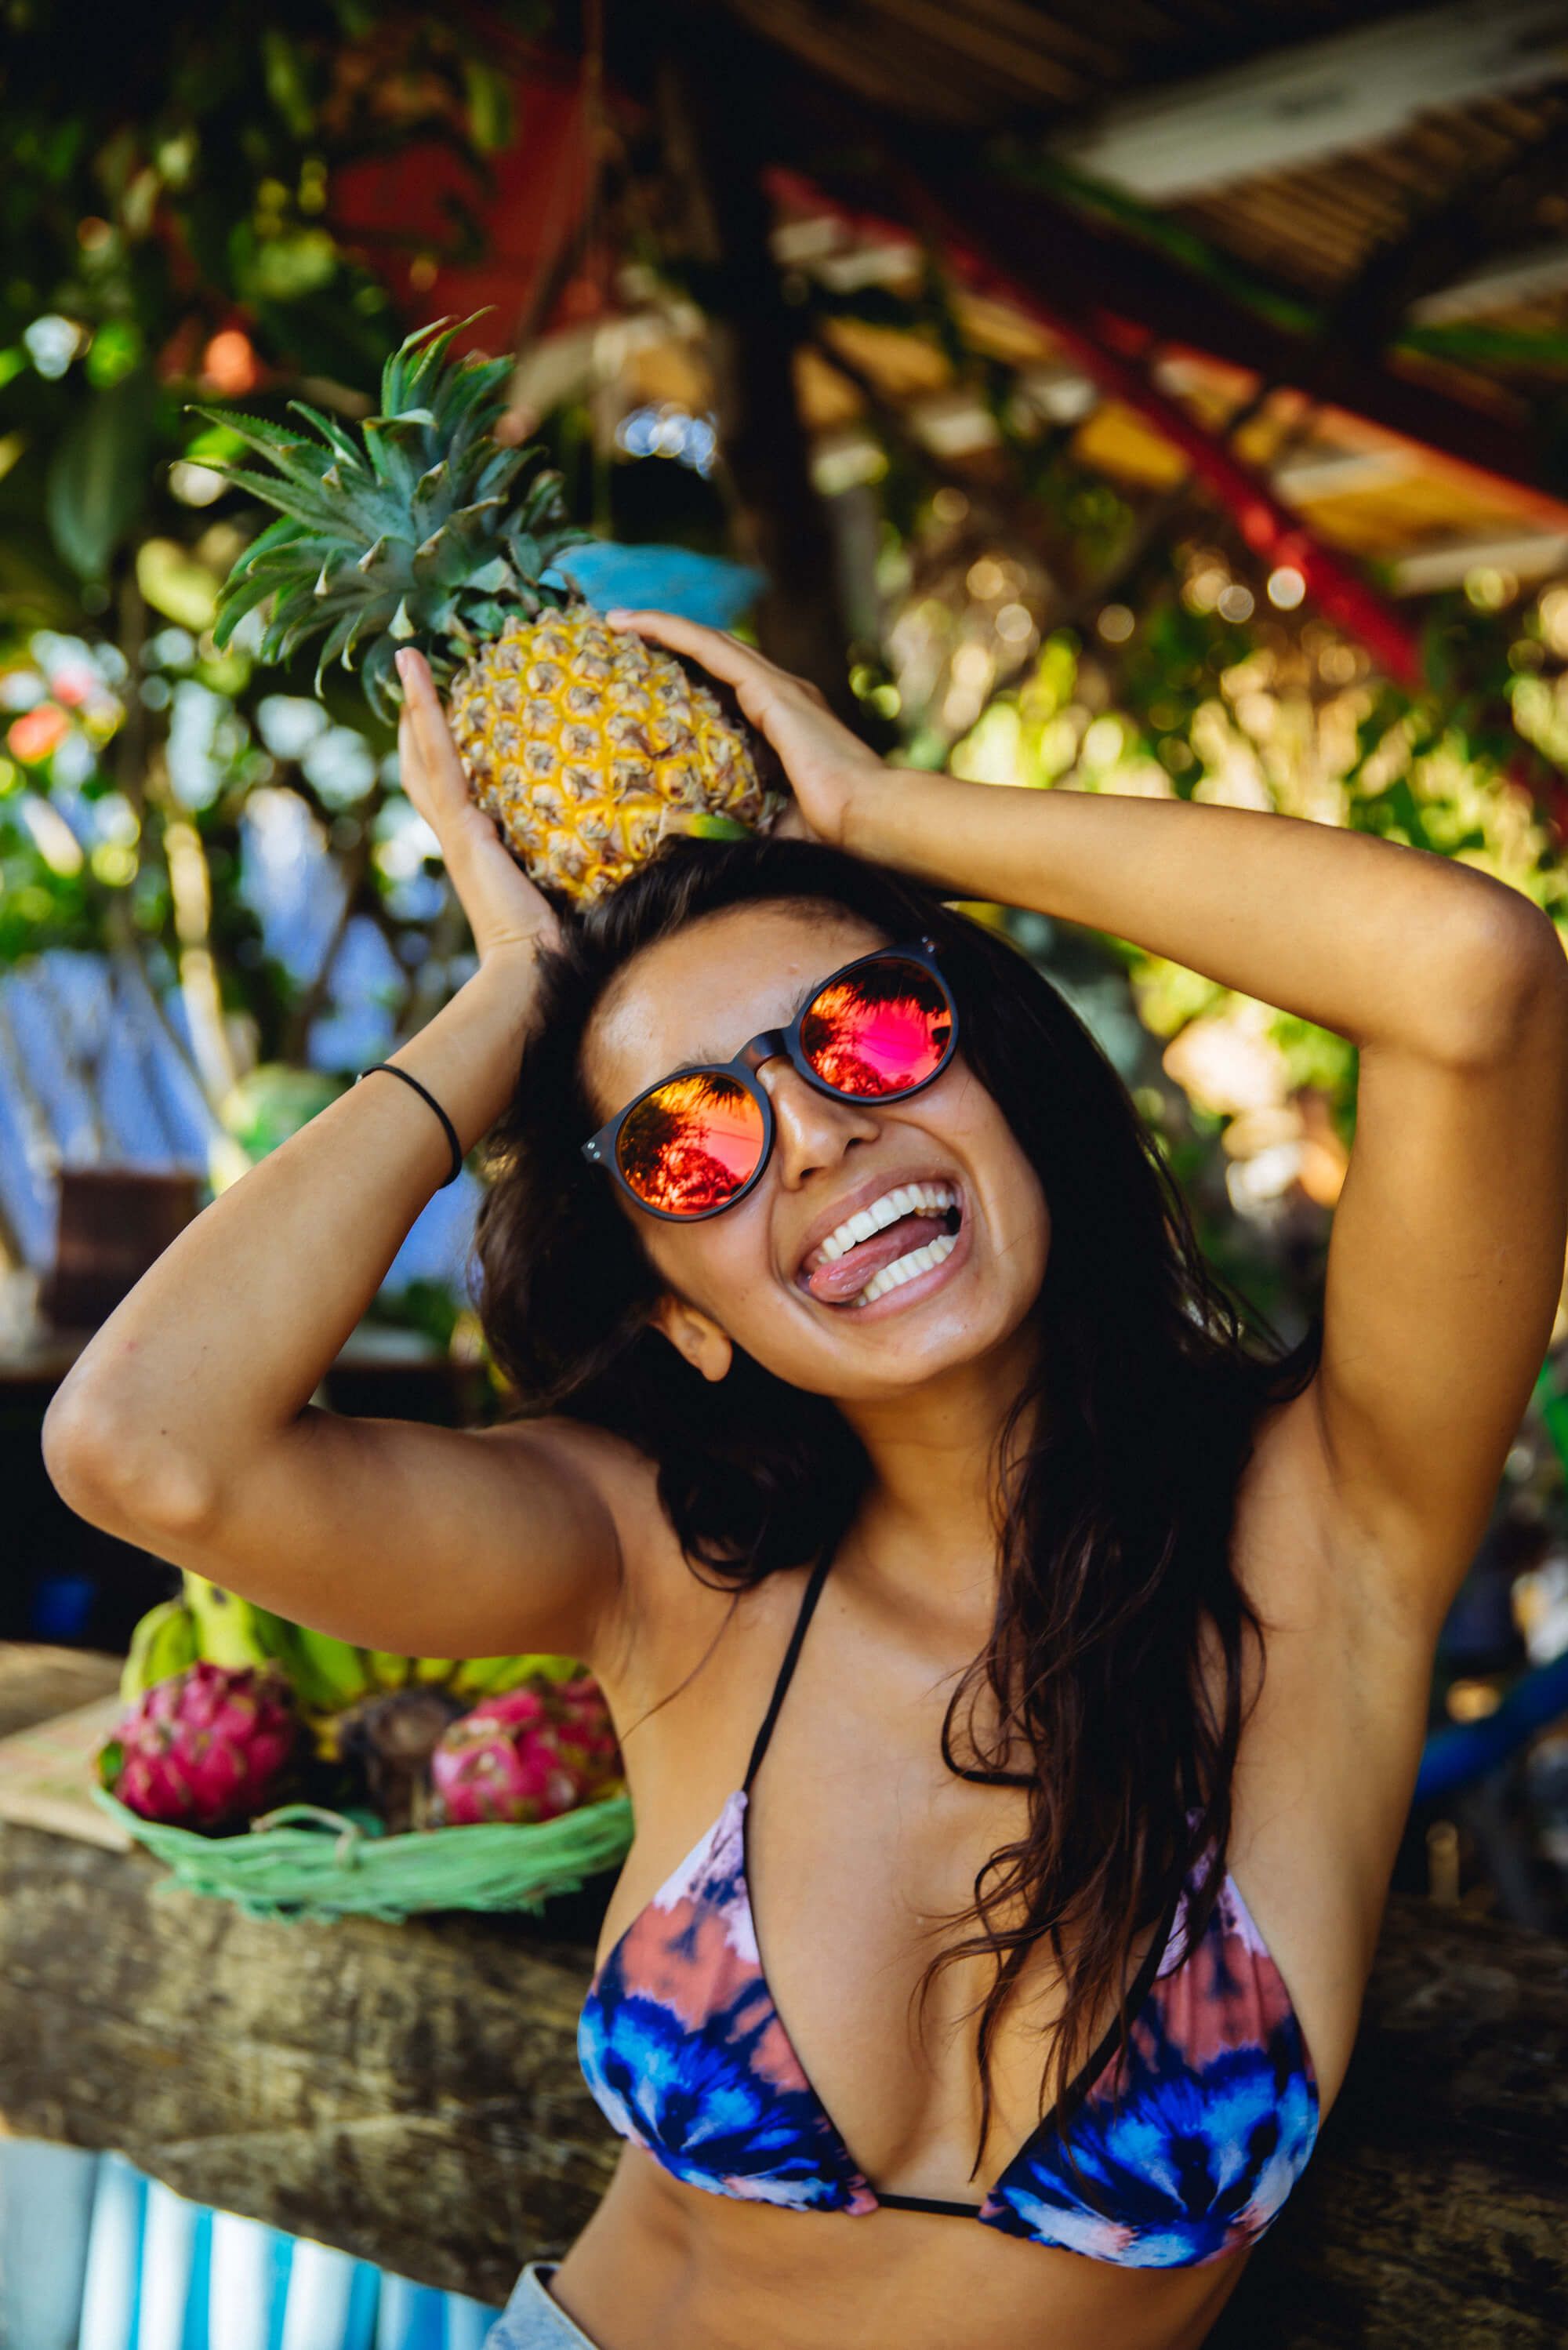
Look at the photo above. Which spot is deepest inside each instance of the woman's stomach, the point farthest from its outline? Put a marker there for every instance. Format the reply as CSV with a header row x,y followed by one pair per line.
x,y
663,2265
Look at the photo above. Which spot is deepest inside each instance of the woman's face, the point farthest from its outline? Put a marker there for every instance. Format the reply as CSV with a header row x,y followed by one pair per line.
x,y
757,1274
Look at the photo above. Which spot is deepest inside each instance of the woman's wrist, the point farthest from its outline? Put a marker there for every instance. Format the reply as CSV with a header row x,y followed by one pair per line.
x,y
469,1053
884,819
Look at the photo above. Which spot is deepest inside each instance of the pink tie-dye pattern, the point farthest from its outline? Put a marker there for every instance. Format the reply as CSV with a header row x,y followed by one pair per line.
x,y
694,1949
1227,1992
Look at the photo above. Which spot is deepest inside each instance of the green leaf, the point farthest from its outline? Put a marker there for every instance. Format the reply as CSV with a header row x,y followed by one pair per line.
x,y
287,81
117,348
273,440
333,434
379,690
174,583
491,577
274,539
337,638
490,114
241,593
101,472
489,619
318,513
285,267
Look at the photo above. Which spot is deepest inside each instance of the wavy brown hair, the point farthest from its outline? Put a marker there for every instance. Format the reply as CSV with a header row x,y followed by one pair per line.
x,y
1116,1473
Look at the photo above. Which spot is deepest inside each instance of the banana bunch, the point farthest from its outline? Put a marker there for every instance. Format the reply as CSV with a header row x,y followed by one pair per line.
x,y
206,1622
329,1675
163,1643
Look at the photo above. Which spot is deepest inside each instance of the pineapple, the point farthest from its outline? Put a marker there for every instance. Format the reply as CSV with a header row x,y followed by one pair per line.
x,y
585,744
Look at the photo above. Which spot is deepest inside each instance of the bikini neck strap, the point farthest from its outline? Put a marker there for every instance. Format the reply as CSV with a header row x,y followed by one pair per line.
x,y
791,1656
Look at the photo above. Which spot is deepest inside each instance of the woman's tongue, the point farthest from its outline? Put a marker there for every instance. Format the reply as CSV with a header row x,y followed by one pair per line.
x,y
846,1276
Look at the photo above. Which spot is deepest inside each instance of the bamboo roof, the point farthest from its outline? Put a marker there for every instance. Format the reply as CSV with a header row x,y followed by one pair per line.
x,y
1366,209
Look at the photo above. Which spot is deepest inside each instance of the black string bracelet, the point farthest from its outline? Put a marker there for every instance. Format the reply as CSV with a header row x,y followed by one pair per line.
x,y
392,1070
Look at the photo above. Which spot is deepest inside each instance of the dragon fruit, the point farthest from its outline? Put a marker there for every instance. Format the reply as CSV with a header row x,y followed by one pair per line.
x,y
528,1754
205,1748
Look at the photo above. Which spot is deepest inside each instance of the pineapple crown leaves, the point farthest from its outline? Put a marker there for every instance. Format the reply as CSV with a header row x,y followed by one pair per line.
x,y
423,529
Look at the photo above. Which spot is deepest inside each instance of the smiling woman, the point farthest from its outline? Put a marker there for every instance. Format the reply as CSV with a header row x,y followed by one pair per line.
x,y
1013,1227
1024,1954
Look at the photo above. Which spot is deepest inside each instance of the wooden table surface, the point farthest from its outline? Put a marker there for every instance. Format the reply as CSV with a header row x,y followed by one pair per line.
x,y
411,2092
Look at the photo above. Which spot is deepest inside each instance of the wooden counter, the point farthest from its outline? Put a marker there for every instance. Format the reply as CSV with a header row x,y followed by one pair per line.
x,y
410,2093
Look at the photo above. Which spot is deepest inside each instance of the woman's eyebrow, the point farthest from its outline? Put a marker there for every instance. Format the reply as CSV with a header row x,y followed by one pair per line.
x,y
721,1056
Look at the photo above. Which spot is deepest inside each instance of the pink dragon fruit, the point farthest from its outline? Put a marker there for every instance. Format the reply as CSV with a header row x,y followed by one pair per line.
x,y
205,1748
528,1754
586,1730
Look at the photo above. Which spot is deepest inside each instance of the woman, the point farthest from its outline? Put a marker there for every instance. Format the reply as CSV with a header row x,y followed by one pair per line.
x,y
1002,2005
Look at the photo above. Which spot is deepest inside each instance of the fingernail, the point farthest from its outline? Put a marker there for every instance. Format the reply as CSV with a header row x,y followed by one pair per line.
x,y
619,617
400,662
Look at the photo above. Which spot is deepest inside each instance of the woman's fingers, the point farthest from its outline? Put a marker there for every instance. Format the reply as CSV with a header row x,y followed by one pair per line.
x,y
717,651
773,699
503,908
435,751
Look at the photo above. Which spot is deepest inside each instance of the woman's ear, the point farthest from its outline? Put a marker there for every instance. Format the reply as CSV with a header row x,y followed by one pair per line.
x,y
692,1335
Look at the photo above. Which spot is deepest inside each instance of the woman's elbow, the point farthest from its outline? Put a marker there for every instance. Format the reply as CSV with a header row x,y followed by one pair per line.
x,y
126,1480
1514,985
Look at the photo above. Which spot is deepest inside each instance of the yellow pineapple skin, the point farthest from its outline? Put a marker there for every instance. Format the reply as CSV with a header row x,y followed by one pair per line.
x,y
589,746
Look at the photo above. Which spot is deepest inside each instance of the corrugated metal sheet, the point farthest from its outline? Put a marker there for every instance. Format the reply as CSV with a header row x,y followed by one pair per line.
x,y
89,1074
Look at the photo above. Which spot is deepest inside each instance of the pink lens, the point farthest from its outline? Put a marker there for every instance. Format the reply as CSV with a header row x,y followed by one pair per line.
x,y
688,1146
878,1030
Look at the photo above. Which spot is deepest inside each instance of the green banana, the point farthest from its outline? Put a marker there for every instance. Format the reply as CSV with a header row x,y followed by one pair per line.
x,y
436,1670
162,1643
227,1630
328,1673
479,1677
275,1633
389,1670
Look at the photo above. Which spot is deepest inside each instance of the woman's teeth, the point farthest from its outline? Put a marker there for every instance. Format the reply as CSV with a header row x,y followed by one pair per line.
x,y
907,1232
903,1268
910,1197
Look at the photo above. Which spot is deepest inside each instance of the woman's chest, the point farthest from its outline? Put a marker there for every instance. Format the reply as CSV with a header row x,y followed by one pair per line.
x,y
852,1867
863,1870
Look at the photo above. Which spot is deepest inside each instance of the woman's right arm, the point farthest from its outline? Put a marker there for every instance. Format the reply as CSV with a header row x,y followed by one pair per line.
x,y
186,1426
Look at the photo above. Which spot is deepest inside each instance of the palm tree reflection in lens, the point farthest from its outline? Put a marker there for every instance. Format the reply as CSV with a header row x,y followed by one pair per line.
x,y
879,1030
692,1144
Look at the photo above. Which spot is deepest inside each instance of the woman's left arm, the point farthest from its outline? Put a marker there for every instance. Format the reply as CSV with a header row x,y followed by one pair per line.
x,y
1446,1256
1446,1259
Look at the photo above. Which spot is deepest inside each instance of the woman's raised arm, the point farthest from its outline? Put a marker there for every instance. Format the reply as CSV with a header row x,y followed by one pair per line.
x,y
186,1424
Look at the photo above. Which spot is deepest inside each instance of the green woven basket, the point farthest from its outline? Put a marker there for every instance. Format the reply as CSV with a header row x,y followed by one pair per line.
x,y
302,1861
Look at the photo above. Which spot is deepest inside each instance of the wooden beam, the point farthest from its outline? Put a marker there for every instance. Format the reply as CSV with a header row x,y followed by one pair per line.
x,y
1134,300
1496,284
410,2094
1490,206
715,151
1307,100
1275,534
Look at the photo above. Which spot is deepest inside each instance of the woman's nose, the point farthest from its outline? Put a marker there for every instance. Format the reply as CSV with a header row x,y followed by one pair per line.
x,y
811,1130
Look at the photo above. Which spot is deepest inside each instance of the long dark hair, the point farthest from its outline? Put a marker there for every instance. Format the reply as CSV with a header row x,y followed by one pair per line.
x,y
1114,1498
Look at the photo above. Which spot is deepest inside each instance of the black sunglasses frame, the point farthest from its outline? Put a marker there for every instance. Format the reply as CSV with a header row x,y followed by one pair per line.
x,y
766,1045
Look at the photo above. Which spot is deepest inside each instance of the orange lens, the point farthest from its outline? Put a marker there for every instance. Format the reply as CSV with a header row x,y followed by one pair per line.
x,y
690,1144
878,1030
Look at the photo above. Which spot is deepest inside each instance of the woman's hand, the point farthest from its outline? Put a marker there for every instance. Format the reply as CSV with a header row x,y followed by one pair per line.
x,y
827,765
506,911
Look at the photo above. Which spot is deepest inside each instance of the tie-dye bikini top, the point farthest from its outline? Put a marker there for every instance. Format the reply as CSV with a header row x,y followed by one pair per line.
x,y
1217,2112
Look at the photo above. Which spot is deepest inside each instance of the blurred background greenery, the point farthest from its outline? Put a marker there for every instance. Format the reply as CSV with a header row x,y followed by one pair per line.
x,y
1246,486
